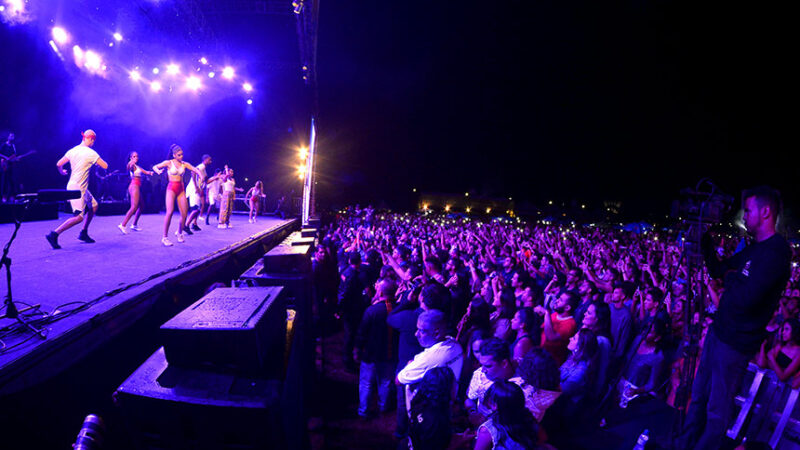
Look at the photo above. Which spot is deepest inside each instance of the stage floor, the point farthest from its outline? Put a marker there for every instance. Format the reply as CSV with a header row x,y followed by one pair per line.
x,y
81,272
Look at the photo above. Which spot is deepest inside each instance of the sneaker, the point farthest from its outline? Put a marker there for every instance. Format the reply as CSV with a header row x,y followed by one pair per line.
x,y
206,220
52,238
122,228
222,225
166,242
249,220
228,226
187,231
195,227
180,238
136,228
84,236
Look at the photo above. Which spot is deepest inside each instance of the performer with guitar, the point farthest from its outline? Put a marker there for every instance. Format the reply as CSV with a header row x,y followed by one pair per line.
x,y
8,158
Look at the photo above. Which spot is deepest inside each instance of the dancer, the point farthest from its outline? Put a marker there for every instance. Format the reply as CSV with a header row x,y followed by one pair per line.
x,y
254,196
81,158
229,190
134,192
175,190
196,192
214,188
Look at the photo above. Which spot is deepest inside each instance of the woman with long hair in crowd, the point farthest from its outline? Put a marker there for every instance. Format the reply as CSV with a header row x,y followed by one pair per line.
x,y
134,192
526,324
598,320
783,358
176,193
511,425
578,372
505,306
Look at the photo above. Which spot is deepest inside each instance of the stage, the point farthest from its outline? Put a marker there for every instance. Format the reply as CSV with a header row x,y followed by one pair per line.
x,y
113,283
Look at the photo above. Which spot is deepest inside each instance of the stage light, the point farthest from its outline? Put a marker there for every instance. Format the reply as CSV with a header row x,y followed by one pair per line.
x,y
488,210
155,86
193,83
227,73
2,8
16,6
155,70
211,74
302,152
173,69
297,6
249,101
60,35
469,209
203,60
135,75
93,62
247,87
117,37
447,208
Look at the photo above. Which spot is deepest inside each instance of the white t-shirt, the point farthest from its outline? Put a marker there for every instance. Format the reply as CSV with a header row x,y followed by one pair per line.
x,y
192,191
81,160
229,185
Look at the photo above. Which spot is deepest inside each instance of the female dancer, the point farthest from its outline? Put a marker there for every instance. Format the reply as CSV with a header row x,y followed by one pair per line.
x,y
175,190
254,196
228,195
134,191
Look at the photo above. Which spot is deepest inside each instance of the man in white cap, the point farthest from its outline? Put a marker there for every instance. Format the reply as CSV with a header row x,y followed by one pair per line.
x,y
81,158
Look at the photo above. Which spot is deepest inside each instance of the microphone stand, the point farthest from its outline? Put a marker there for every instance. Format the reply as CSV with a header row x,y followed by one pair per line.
x,y
11,310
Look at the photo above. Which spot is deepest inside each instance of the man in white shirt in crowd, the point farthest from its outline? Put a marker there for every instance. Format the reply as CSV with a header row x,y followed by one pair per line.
x,y
440,350
81,158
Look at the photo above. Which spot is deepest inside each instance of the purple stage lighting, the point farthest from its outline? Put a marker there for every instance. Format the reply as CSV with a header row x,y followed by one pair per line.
x,y
155,86
16,6
227,73
203,60
135,75
117,37
193,83
211,74
155,70
249,101
247,87
173,69
60,35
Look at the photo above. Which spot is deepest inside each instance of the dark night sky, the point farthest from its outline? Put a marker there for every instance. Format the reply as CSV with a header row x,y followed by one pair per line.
x,y
565,100
581,100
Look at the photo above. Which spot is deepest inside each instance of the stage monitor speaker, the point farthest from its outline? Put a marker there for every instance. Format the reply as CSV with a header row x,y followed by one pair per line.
x,y
308,232
314,223
288,259
172,407
241,330
311,242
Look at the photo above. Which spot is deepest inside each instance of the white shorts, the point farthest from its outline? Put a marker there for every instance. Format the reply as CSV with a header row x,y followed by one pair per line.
x,y
79,205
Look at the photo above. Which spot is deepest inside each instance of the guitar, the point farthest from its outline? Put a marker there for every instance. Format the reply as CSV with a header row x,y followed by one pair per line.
x,y
6,161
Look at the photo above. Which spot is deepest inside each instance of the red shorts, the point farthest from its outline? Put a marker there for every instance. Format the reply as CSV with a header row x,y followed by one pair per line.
x,y
136,181
175,186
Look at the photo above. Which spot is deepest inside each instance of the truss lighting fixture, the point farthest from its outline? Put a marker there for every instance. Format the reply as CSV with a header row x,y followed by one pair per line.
x,y
203,60
193,83
60,35
247,87
227,73
173,69
135,75
155,86
117,37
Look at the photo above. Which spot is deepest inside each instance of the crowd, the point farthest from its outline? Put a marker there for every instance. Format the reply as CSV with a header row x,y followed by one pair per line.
x,y
519,333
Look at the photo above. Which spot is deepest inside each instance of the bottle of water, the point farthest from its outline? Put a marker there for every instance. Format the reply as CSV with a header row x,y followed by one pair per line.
x,y
642,441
